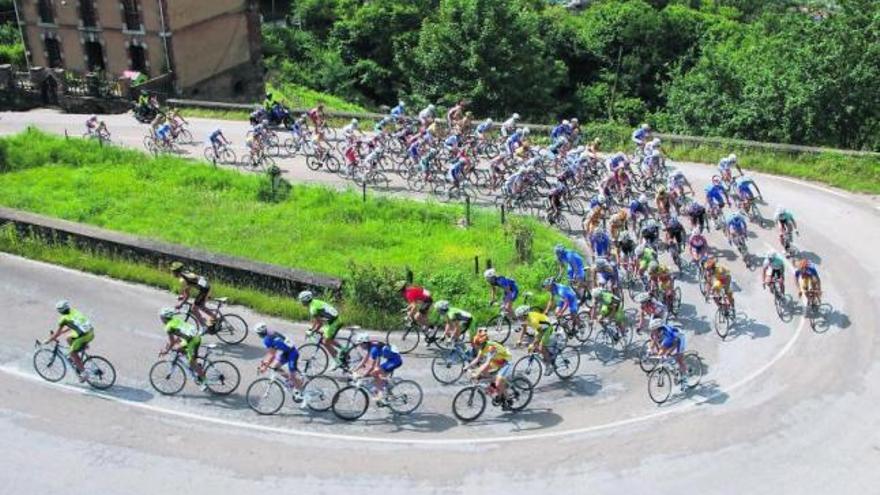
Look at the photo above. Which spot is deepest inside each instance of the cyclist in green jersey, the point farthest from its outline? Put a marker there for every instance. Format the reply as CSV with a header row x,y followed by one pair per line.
x,y
543,328
323,315
184,337
81,333
457,321
191,282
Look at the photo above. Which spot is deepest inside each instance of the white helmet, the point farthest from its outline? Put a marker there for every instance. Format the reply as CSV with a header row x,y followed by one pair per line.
x,y
655,324
596,292
442,306
166,314
655,142
574,120
779,210
360,338
261,329
515,116
62,306
354,122
732,157
490,274
305,296
522,311
643,198
489,120
400,102
642,297
645,127
431,107
566,122
601,261
525,131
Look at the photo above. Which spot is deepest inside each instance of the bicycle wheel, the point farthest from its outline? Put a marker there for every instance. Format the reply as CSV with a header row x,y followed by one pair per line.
x,y
659,385
350,403
519,393
499,328
319,392
314,360
100,374
447,369
469,403
333,164
265,396
567,362
227,156
167,377
405,340
693,369
208,153
185,137
231,329
222,377
49,365
605,346
721,324
530,368
313,163
779,304
676,301
647,359
404,397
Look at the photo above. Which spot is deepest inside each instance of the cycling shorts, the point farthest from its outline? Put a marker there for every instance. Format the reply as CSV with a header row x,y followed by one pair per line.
x,y
425,306
391,364
192,347
670,341
601,247
79,342
505,370
576,273
572,306
512,294
290,358
202,297
331,328
545,335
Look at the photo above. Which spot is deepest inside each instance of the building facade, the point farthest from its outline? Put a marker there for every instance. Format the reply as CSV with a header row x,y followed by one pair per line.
x,y
212,48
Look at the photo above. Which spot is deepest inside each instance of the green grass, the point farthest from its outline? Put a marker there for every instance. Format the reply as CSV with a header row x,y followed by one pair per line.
x,y
296,96
315,228
207,113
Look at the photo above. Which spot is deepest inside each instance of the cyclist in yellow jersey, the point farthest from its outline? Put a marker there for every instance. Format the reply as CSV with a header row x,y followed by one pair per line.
x,y
496,360
81,333
719,278
618,222
540,323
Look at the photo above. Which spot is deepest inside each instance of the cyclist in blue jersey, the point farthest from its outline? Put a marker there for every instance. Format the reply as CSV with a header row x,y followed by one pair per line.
x,y
565,299
452,142
697,214
515,140
716,195
600,242
744,185
379,362
807,278
572,262
457,171
639,208
641,135
508,285
217,140
669,341
605,274
414,150
736,226
398,111
281,351
725,165
483,128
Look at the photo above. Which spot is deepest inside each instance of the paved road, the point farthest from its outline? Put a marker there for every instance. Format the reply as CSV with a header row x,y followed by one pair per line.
x,y
782,407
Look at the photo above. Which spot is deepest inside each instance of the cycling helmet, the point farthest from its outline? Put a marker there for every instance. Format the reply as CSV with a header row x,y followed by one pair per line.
x,y
695,232
400,102
360,338
716,180
522,311
399,286
601,261
166,314
732,157
642,297
655,141
566,122
489,121
490,274
574,120
643,198
640,250
653,267
354,122
261,329
655,324
305,296
176,267
661,190
525,131
62,306
515,116
481,338
601,199
596,293
779,210
442,306
770,255
431,107
645,127
559,249
548,282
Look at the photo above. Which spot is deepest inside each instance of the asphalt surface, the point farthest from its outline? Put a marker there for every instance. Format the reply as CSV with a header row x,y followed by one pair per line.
x,y
782,408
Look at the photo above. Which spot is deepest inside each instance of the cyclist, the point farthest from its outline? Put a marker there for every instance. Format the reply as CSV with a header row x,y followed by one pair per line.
x,y
572,262
483,129
454,114
163,134
670,341
807,278
555,199
565,298
457,321
719,278
515,140
418,302
508,285
697,214
351,130
626,246
456,171
637,207
650,309
96,127
698,246
540,323
316,115
192,282
774,268
744,185
662,201
399,111
183,336
218,140
595,216
617,223
660,280
787,224
650,231
716,195
646,255
676,183
379,362
280,351
736,227
496,360
509,125
674,232
606,305
426,116
323,316
600,243
81,333
724,167
605,274
641,135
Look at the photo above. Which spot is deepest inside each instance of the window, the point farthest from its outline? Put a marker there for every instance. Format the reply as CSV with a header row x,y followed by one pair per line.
x,y
138,58
130,15
87,13
94,55
44,8
53,53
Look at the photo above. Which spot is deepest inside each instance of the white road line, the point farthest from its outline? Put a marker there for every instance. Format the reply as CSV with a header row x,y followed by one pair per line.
x,y
809,184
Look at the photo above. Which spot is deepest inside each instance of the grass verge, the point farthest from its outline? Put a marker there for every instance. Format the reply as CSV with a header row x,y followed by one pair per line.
x,y
369,244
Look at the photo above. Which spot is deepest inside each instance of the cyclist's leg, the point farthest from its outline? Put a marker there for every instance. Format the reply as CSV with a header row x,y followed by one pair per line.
x,y
77,346
192,351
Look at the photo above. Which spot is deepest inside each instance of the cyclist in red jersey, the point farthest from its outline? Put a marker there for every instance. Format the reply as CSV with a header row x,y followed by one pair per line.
x,y
316,115
418,301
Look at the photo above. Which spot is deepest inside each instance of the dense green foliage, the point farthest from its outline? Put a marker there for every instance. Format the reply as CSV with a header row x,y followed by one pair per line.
x,y
797,71
314,228
11,48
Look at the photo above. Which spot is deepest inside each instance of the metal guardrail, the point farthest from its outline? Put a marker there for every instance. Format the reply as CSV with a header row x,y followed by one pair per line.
x,y
673,138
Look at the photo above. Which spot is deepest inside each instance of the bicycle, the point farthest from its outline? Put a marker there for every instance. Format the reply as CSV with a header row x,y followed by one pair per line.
x,y
323,158
316,358
228,327
470,402
257,159
102,135
740,243
564,361
168,376
408,339
401,397
725,316
812,309
776,288
666,373
222,154
447,369
51,364
266,395
791,250
610,340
